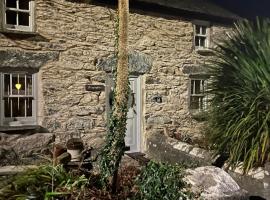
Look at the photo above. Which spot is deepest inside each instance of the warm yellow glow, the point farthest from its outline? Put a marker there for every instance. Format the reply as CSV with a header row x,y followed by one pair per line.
x,y
18,86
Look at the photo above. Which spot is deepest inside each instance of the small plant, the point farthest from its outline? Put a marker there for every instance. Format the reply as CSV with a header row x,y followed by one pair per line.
x,y
162,181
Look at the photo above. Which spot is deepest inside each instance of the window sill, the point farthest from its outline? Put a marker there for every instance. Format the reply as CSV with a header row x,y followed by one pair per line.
x,y
18,32
204,51
22,127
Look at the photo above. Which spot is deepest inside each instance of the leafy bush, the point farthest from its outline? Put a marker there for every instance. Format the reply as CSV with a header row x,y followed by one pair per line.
x,y
162,181
40,182
240,87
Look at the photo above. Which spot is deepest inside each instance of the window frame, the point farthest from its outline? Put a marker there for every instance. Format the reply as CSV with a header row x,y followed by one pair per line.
x,y
19,28
207,35
203,95
31,120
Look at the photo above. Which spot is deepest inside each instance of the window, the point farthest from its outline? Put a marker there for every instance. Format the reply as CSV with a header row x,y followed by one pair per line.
x,y
18,15
201,36
198,98
17,98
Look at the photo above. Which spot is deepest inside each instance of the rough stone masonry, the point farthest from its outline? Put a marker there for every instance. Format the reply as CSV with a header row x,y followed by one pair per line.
x,y
70,36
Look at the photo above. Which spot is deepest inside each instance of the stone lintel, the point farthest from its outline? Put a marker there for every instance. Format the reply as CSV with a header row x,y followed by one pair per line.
x,y
139,63
195,69
12,59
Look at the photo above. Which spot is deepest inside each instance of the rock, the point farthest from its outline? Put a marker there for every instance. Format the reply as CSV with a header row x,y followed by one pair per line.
x,y
27,145
214,184
13,147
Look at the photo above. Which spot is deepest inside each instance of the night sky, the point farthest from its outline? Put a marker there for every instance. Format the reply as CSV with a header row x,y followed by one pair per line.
x,y
247,8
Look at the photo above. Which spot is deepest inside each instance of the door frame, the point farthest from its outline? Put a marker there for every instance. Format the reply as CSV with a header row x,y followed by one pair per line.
x,y
138,107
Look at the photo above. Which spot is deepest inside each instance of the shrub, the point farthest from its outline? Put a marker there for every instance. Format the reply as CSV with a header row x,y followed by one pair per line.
x,y
240,87
162,181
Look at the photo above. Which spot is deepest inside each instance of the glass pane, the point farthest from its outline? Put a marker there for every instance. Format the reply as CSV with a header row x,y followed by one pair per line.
x,y
203,30
11,17
197,41
6,84
11,3
7,110
24,4
29,85
197,29
192,86
23,19
29,107
203,42
18,107
197,87
194,102
18,84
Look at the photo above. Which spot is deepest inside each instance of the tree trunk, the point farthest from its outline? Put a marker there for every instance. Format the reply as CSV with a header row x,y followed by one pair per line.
x,y
122,86
115,141
122,65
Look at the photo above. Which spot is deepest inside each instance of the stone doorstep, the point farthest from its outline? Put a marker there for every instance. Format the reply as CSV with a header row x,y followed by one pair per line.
x,y
10,170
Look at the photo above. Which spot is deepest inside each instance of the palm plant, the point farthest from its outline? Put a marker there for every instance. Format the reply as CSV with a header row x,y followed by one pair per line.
x,y
240,89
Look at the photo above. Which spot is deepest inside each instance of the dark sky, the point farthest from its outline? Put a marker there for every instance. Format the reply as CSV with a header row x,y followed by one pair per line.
x,y
247,8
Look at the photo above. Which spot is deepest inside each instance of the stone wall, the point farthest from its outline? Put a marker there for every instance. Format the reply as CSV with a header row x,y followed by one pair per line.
x,y
81,33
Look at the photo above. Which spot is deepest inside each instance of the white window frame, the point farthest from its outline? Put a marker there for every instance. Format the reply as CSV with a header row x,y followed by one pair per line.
x,y
18,27
30,120
203,87
206,35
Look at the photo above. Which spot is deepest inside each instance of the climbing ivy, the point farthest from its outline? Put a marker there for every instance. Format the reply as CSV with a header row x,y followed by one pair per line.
x,y
114,148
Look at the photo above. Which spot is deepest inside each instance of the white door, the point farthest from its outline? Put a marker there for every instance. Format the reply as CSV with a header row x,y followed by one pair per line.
x,y
132,138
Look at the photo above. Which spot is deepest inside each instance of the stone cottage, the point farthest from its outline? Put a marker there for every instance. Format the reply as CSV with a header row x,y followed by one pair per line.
x,y
56,61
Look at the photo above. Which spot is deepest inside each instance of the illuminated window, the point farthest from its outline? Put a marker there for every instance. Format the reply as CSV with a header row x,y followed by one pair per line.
x,y
18,98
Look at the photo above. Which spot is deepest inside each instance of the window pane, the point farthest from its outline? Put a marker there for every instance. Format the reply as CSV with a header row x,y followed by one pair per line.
x,y
18,107
11,3
194,102
18,84
29,107
197,41
192,86
29,85
197,29
203,29
23,19
7,103
6,84
24,4
203,42
11,17
197,87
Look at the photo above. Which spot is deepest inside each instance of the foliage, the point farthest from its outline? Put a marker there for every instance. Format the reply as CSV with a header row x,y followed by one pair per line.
x,y
40,182
162,181
240,87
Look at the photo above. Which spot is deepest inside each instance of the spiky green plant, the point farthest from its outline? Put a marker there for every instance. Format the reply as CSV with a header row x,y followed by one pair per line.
x,y
240,90
40,182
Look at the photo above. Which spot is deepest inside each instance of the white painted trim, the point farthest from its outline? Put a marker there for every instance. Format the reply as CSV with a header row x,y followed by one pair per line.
x,y
208,34
33,119
139,116
17,27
